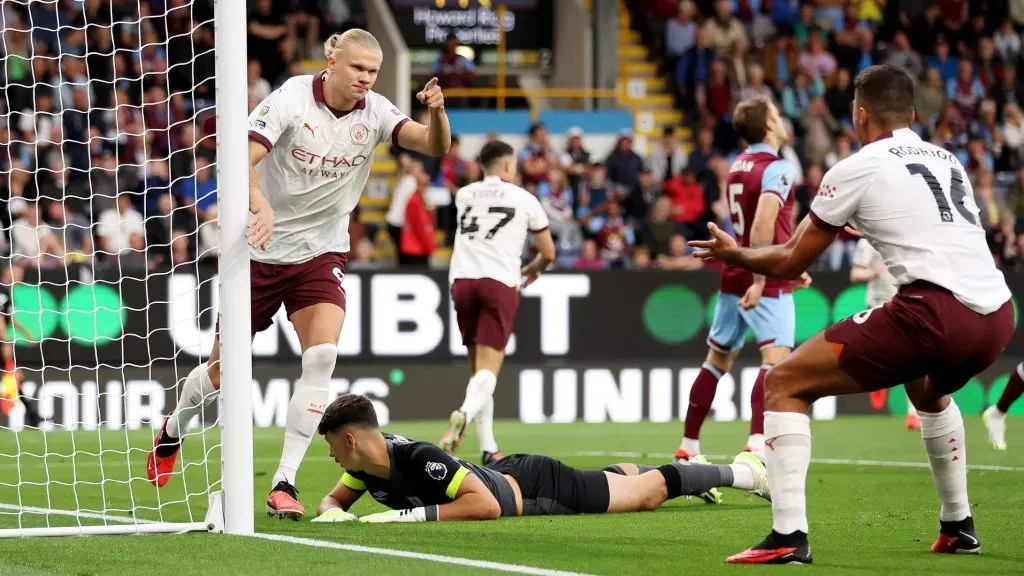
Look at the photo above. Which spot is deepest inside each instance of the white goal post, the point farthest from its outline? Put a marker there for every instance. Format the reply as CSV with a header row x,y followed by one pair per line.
x,y
81,319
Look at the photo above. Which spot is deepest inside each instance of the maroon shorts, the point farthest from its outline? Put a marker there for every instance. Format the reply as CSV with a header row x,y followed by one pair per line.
x,y
485,310
296,286
923,331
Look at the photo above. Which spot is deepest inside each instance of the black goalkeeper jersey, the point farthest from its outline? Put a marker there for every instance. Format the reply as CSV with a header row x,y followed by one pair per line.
x,y
424,475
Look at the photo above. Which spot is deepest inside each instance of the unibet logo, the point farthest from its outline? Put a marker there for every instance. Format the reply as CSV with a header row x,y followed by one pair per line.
x,y
90,314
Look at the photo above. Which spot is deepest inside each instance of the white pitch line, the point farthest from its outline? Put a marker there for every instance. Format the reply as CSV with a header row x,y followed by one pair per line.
x,y
75,513
835,461
454,560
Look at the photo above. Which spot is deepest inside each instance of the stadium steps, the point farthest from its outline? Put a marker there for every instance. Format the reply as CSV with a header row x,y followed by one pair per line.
x,y
638,72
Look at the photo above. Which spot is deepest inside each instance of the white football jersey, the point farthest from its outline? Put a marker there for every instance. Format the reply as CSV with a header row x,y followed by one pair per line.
x,y
494,217
914,204
318,164
880,289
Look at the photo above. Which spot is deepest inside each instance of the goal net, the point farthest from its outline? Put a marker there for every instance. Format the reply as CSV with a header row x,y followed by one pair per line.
x,y
110,258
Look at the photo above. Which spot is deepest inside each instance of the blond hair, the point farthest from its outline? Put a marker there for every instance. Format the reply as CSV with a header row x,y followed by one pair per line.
x,y
354,37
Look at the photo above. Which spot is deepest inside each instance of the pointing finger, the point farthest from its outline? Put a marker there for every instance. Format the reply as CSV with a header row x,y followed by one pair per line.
x,y
430,84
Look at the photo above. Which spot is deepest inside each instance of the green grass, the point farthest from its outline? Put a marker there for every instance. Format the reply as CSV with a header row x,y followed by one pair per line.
x,y
864,518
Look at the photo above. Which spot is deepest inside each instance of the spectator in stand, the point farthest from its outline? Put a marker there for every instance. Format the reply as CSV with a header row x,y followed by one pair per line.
x,y
723,29
590,258
816,59
688,203
623,165
902,55
693,68
679,256
642,258
556,198
819,128
714,99
418,239
702,152
1007,42
575,160
680,33
991,208
1013,135
929,97
667,159
1015,201
537,158
362,257
755,85
404,189
259,88
806,26
454,70
33,242
989,68
1008,90
267,29
796,99
965,90
614,237
976,157
948,128
779,61
843,149
659,227
736,66
72,230
594,191
121,229
642,197
839,96
943,61
162,229
209,236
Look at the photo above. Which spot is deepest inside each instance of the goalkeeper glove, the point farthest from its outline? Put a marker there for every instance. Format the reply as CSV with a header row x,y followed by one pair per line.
x,y
335,515
421,514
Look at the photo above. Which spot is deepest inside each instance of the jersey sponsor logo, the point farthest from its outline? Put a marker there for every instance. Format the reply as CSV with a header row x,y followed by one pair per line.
x,y
437,471
307,157
312,131
359,133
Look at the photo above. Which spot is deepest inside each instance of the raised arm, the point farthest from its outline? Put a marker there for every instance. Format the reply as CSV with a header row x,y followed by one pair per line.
x,y
435,138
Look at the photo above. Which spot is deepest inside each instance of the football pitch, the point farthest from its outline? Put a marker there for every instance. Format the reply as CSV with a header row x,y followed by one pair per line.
x,y
872,508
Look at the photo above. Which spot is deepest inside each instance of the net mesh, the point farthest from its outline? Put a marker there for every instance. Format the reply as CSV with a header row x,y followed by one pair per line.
x,y
107,181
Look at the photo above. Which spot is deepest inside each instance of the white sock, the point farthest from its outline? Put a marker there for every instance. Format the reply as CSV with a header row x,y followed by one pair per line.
x,y
742,477
691,446
756,442
944,441
305,409
788,452
197,393
485,427
478,391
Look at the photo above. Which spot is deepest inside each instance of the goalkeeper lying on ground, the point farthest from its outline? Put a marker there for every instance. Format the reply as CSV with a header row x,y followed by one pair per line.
x,y
421,482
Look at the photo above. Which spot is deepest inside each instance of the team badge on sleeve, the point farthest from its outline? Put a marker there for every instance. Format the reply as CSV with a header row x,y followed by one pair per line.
x,y
265,109
359,133
437,471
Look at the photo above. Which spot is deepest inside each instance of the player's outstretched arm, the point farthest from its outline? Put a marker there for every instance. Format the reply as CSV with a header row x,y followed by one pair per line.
x,y
788,261
473,501
435,138
762,233
335,505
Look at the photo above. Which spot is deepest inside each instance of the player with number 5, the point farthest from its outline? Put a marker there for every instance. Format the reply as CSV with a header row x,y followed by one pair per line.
x,y
950,319
495,216
761,208
311,145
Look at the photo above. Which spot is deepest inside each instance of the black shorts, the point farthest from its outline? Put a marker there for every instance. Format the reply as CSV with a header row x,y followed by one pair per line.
x,y
550,487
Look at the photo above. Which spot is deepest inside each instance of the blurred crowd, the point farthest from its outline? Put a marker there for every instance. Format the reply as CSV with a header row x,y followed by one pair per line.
x,y
107,134
108,140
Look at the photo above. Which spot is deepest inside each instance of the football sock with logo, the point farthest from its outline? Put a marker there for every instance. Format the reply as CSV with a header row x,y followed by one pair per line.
x,y
693,479
478,391
1014,390
944,441
485,427
306,408
197,393
788,454
702,394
